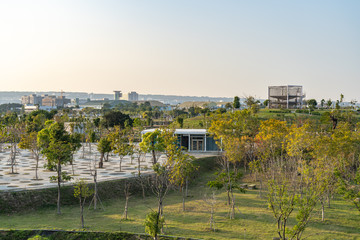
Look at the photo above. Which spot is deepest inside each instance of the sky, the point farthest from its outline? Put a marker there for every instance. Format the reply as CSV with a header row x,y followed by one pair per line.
x,y
185,47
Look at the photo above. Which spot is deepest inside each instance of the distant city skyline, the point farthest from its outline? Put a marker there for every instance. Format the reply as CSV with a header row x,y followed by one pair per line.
x,y
189,48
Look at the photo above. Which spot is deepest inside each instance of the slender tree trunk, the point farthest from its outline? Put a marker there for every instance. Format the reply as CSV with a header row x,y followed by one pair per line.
x,y
228,197
83,151
126,207
158,215
142,188
36,166
139,169
186,187
13,157
322,211
120,164
101,163
154,157
95,191
232,210
59,185
82,212
72,165
183,198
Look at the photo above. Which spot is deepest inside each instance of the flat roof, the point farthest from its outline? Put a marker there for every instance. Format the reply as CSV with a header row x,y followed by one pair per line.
x,y
180,131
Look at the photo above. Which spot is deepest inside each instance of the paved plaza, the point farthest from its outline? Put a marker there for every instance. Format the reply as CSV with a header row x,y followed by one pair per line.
x,y
83,166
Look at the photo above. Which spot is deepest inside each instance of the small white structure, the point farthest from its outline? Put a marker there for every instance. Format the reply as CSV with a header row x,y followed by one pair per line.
x,y
193,140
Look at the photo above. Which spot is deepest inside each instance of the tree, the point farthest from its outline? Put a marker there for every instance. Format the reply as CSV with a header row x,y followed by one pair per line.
x,y
294,185
269,141
139,153
234,133
252,104
160,188
180,121
236,103
82,191
349,188
322,103
153,224
266,103
116,118
11,130
120,143
127,196
153,142
29,141
104,147
294,189
181,171
337,104
312,103
329,103
12,135
75,144
35,120
55,144
228,180
211,201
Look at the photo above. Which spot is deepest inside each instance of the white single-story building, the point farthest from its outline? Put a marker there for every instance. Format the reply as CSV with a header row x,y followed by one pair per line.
x,y
193,140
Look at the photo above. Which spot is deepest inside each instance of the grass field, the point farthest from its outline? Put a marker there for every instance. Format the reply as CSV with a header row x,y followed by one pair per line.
x,y
253,218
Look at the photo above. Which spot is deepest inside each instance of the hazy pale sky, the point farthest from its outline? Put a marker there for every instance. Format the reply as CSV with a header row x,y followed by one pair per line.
x,y
184,47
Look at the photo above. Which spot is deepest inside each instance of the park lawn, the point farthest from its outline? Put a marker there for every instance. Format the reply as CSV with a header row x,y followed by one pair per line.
x,y
253,218
197,122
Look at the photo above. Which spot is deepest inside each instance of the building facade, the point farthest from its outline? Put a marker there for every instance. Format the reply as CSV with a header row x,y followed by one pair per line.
x,y
32,99
287,97
193,140
117,95
45,100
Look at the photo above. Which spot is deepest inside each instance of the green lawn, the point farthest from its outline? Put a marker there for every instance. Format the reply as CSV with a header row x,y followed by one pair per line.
x,y
253,219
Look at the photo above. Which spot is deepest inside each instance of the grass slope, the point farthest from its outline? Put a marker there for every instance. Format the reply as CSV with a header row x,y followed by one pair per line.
x,y
253,219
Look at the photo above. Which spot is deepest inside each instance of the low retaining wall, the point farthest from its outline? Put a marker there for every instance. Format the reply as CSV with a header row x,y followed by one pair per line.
x,y
16,201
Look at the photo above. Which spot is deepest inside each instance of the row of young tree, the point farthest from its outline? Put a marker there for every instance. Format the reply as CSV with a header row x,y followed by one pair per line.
x,y
45,135
296,165
173,173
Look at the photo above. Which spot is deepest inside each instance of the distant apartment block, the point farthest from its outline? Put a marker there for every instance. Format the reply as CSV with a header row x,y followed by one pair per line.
x,y
32,99
289,97
131,96
53,101
45,100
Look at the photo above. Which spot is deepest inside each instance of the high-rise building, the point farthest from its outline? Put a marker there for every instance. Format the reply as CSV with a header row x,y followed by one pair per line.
x,y
133,96
117,95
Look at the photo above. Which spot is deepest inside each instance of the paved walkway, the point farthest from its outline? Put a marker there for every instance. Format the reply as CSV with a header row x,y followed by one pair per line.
x,y
82,168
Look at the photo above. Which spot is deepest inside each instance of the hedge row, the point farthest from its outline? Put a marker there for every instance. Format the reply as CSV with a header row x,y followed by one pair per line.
x,y
75,235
